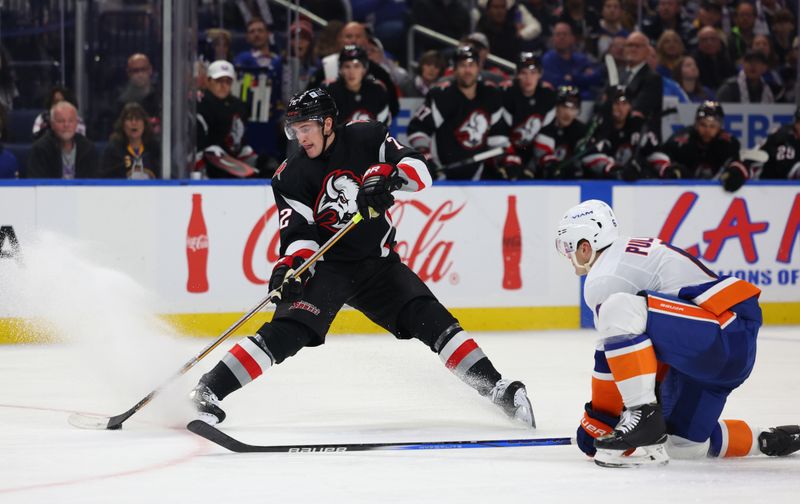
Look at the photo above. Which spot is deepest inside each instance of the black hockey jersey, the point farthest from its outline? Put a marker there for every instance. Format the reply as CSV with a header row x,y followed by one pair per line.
x,y
220,122
694,159
526,115
371,103
621,145
783,148
317,197
462,127
554,145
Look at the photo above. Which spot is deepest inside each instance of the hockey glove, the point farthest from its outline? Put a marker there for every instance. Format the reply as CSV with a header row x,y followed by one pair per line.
x,y
282,282
510,165
593,425
734,176
376,189
673,171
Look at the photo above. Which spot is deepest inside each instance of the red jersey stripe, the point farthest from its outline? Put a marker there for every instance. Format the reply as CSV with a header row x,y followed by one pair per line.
x,y
249,363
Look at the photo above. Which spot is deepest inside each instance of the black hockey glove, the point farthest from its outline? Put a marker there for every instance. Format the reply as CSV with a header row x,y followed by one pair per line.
x,y
673,171
593,425
510,165
734,176
376,189
282,282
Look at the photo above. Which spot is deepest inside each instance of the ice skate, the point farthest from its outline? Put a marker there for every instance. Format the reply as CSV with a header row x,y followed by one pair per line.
x,y
637,440
207,405
512,397
780,441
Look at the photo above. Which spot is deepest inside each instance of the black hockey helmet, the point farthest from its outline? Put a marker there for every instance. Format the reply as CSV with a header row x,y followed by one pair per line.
x,y
710,109
311,105
353,53
568,95
528,61
466,53
618,94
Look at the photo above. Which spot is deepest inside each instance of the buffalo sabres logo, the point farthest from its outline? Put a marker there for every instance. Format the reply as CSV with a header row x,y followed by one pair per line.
x,y
472,132
336,203
360,115
524,132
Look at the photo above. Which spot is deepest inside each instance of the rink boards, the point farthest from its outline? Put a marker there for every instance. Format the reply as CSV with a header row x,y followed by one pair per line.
x,y
462,239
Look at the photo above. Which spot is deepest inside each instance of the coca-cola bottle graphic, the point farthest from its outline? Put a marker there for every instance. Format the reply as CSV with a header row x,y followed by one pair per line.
x,y
512,247
197,248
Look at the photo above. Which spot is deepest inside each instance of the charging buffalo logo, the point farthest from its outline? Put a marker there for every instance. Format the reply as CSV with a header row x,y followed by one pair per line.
x,y
523,133
336,203
472,132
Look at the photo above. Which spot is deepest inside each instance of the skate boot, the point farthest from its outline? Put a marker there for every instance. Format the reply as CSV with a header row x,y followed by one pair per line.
x,y
780,441
638,439
206,404
512,397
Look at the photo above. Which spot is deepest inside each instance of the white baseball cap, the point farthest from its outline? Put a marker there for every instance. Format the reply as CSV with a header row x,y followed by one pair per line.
x,y
221,68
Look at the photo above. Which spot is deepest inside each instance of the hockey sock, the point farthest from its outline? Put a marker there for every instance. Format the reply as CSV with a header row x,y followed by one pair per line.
x,y
462,355
243,363
632,361
605,394
734,438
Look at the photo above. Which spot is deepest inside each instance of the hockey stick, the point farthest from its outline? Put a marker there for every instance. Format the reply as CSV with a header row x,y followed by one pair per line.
x,y
216,436
477,158
86,421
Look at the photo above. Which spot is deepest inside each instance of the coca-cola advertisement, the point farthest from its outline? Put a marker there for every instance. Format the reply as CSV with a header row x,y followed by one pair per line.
x,y
197,248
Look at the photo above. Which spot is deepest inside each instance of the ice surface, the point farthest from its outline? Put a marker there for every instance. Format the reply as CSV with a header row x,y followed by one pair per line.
x,y
353,389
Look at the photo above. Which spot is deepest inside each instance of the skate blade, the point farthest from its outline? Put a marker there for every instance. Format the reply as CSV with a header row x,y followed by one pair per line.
x,y
653,455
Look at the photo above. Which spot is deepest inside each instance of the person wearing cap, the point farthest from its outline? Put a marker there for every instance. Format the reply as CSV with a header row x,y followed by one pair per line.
x,y
465,116
563,65
221,123
783,148
358,96
626,149
528,105
705,150
560,146
748,86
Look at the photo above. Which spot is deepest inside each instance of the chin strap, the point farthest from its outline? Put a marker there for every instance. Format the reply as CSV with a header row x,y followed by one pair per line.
x,y
586,267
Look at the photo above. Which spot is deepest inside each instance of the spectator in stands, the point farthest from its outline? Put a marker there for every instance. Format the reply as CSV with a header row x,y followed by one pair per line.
x,y
773,78
328,40
609,26
712,59
42,121
667,17
219,45
617,50
8,86
670,50
688,76
221,149
708,14
141,89
782,34
542,11
671,89
742,33
377,56
765,15
448,17
358,97
503,28
298,53
564,66
748,85
259,55
643,85
430,69
582,19
132,151
9,167
62,152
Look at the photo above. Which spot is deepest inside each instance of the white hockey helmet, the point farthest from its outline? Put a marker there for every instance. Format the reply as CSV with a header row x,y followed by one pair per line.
x,y
591,220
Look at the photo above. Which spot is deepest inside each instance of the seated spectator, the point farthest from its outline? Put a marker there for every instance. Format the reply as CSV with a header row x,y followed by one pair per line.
x,y
503,27
773,78
430,69
141,89
218,42
708,14
582,19
748,86
42,122
617,51
8,86
62,152
687,75
669,50
782,34
671,89
668,17
9,167
644,86
609,26
564,66
300,54
377,56
132,151
742,33
259,55
221,151
358,96
712,59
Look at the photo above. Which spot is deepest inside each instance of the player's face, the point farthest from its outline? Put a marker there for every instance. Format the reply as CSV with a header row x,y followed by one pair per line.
x,y
64,123
620,110
707,128
134,128
309,136
467,73
528,80
565,114
353,73
221,87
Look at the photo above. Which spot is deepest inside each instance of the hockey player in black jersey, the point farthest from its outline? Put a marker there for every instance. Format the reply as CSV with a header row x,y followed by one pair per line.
x,y
560,146
783,149
338,172
705,150
465,117
624,146
528,105
358,95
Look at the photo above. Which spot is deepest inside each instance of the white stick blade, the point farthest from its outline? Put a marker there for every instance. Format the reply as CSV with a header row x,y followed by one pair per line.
x,y
87,421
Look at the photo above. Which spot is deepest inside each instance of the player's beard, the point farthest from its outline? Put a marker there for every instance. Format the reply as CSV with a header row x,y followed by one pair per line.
x,y
466,81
